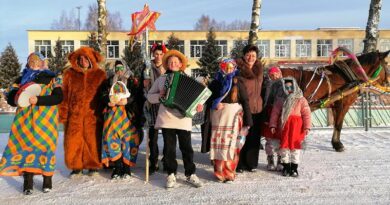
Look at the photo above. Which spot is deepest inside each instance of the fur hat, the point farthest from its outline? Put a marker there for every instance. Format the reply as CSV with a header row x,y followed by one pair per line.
x,y
178,54
93,56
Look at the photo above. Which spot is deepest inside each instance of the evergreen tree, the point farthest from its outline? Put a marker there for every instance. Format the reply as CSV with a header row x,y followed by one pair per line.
x,y
57,62
9,67
239,45
209,61
134,59
173,42
93,41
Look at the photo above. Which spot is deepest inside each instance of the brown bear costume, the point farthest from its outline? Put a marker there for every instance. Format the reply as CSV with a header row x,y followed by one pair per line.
x,y
81,110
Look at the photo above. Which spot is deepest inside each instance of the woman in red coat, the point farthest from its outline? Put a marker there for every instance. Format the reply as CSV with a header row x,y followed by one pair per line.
x,y
294,113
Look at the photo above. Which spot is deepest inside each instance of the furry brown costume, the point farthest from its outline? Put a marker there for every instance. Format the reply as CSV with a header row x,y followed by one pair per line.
x,y
81,111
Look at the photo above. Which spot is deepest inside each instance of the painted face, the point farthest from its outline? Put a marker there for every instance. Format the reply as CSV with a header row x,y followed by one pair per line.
x,y
158,56
84,62
34,62
250,58
229,68
174,63
289,87
119,69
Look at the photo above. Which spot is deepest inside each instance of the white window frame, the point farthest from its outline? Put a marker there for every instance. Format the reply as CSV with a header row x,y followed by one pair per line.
x,y
303,48
197,48
67,46
264,46
384,44
84,43
324,47
112,49
43,47
346,43
282,48
222,46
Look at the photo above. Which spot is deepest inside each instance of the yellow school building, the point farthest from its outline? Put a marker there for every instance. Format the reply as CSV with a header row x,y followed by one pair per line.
x,y
281,47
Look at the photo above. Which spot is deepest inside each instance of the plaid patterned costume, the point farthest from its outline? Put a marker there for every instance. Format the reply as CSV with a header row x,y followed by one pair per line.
x,y
33,140
120,137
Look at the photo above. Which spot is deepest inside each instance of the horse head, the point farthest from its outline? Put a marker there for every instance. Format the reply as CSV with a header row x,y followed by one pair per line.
x,y
375,66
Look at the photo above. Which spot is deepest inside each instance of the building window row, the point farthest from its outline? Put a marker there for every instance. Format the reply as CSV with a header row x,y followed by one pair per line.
x,y
303,47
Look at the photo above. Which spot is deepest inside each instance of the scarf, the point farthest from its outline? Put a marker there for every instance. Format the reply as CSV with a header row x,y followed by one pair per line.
x,y
226,81
290,99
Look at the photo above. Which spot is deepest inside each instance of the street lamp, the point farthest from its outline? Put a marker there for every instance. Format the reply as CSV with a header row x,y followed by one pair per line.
x,y
78,8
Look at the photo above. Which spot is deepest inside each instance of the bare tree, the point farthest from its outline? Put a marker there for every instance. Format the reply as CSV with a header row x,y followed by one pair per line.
x,y
205,23
114,20
255,23
102,26
372,35
66,22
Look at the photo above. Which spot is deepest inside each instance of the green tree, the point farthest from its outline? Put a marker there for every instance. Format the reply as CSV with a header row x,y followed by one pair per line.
x,y
9,67
58,61
238,46
173,42
93,42
209,61
134,59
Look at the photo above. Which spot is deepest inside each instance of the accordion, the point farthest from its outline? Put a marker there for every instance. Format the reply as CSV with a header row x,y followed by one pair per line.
x,y
184,93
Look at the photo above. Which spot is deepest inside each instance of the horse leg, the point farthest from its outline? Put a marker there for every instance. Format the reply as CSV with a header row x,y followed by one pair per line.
x,y
340,109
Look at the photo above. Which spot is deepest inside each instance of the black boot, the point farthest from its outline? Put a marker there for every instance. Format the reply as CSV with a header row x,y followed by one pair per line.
x,y
47,184
75,172
117,170
286,169
126,172
28,183
294,170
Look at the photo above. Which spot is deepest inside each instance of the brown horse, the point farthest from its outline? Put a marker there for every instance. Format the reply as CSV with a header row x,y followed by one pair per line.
x,y
338,82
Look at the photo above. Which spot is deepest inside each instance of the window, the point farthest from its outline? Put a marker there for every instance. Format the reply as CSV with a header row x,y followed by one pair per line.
x,y
384,45
84,43
44,47
346,43
196,72
153,42
67,47
263,48
282,48
180,46
222,45
197,48
303,48
324,47
112,49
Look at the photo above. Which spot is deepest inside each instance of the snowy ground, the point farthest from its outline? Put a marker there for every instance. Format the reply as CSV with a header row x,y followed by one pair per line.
x,y
360,175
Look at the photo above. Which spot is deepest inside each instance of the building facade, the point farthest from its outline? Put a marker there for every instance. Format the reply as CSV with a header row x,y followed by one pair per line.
x,y
276,47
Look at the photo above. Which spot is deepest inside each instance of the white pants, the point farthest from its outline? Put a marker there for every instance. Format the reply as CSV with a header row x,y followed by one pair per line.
x,y
272,146
290,156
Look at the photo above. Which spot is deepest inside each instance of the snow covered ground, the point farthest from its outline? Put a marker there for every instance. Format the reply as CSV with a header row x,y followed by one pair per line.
x,y
360,175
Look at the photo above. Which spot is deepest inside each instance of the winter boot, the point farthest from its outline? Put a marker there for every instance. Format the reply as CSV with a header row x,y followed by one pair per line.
x,y
28,183
286,169
126,172
92,172
279,166
47,184
271,163
294,170
117,170
75,173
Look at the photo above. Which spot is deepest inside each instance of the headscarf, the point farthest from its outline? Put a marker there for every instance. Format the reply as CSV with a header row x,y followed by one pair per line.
x,y
126,72
225,79
29,74
290,99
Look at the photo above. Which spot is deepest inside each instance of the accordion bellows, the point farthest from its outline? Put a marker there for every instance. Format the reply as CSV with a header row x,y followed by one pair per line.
x,y
184,93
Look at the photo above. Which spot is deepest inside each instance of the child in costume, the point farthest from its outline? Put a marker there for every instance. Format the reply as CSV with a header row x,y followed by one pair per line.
x,y
120,137
291,115
173,123
270,87
230,117
34,132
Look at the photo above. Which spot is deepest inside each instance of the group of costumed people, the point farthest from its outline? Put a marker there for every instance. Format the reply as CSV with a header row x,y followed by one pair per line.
x,y
104,115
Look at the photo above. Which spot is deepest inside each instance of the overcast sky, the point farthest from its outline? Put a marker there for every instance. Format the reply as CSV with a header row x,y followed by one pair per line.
x,y
17,16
